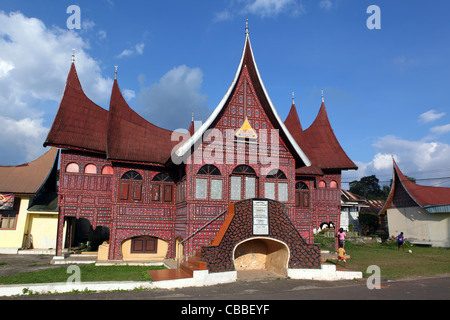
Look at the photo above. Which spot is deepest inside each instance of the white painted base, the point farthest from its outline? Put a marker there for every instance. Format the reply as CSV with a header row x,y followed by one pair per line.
x,y
327,272
201,278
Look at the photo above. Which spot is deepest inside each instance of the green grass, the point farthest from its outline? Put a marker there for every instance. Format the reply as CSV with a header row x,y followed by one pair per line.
x,y
394,264
88,273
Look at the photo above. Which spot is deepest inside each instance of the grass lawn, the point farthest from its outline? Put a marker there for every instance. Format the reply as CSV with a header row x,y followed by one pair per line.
x,y
88,273
394,264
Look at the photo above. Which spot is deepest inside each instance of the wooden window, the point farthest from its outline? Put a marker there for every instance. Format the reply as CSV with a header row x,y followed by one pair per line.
x,y
156,191
144,244
322,184
243,183
276,186
162,188
207,183
168,189
124,190
131,187
8,218
302,195
333,185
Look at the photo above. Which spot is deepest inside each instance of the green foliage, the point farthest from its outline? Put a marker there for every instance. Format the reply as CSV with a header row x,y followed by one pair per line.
x,y
369,188
369,222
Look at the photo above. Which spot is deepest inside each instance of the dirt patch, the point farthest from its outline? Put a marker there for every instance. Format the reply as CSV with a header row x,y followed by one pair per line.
x,y
16,263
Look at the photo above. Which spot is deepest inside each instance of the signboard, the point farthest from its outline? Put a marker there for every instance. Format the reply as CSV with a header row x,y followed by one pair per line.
x,y
6,201
260,217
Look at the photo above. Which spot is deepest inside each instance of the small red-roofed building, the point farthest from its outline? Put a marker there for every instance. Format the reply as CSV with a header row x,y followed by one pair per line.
x,y
422,213
28,205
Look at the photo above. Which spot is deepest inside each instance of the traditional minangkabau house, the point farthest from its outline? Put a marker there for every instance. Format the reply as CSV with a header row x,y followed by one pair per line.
x,y
422,213
164,194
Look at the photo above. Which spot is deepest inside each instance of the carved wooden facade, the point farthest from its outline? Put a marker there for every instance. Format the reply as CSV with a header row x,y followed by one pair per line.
x,y
120,172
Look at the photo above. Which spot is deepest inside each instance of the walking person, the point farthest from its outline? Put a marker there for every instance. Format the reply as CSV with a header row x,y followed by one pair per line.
x,y
341,235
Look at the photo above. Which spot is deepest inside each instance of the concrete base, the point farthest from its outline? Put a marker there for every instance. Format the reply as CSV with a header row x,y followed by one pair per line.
x,y
327,272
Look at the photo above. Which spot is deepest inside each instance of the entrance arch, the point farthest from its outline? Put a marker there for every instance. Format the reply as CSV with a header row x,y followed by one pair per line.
x,y
261,253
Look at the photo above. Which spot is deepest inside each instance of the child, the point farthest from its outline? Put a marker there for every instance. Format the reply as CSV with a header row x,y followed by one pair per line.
x,y
341,256
401,241
341,237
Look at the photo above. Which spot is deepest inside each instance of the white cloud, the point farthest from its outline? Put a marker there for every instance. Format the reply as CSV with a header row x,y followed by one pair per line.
x,y
129,94
260,8
441,129
136,50
430,116
416,157
34,64
269,8
170,102
326,4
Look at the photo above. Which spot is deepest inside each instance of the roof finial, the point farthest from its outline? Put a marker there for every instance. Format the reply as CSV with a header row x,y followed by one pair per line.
x,y
293,97
322,97
192,116
115,72
73,55
246,27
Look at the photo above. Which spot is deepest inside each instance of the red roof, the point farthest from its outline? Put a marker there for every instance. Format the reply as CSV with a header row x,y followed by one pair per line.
x,y
132,138
319,143
423,195
294,126
79,122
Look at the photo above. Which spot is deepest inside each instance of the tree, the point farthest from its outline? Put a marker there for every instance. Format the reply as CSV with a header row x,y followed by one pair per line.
x,y
367,187
369,222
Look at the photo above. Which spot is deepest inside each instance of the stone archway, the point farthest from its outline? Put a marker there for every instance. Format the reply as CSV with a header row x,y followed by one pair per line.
x,y
261,253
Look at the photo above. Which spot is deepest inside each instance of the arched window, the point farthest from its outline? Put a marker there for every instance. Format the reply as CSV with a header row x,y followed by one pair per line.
x,y
276,186
73,168
162,188
302,195
107,170
209,169
333,185
90,169
162,177
322,184
209,175
131,187
243,183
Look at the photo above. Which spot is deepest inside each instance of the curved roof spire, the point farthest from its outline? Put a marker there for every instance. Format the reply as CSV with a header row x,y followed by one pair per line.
x,y
248,63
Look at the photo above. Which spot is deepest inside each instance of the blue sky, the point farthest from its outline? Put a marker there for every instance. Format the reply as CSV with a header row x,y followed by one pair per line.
x,y
386,90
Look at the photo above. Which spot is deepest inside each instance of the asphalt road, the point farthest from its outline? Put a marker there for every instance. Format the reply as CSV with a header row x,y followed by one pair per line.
x,y
278,294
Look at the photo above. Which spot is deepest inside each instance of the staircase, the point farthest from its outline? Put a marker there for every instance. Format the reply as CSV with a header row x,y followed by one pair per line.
x,y
186,269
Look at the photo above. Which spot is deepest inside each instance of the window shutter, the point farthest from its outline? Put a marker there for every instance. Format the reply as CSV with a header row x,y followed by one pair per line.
x,y
167,193
137,192
124,191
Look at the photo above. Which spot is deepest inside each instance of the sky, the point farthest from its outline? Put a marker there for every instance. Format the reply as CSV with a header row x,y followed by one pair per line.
x,y
385,73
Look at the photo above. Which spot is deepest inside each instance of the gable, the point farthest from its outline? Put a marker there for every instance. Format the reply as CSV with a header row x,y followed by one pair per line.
x,y
248,83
